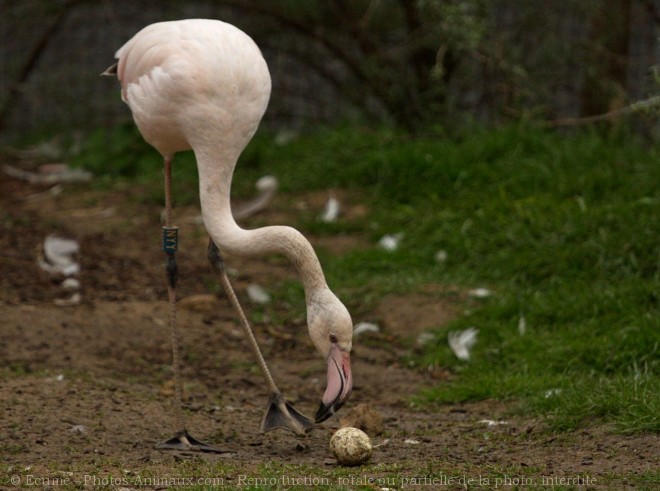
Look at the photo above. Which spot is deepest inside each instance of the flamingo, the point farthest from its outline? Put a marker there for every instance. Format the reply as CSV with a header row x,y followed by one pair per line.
x,y
204,85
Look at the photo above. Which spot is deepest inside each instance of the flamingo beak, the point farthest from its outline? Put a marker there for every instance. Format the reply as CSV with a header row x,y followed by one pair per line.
x,y
340,383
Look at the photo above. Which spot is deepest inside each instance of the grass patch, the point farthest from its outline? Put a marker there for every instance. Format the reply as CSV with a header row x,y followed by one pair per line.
x,y
563,230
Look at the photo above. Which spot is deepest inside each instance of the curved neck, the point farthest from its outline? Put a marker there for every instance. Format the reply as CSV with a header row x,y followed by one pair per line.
x,y
215,175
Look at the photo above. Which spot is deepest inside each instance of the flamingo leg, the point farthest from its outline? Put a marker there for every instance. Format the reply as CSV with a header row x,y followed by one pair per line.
x,y
181,440
279,413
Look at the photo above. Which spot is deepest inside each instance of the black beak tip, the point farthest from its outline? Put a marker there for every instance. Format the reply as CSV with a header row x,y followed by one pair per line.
x,y
325,411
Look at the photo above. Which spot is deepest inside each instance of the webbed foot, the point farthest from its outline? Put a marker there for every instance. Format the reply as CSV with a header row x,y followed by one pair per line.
x,y
184,441
281,414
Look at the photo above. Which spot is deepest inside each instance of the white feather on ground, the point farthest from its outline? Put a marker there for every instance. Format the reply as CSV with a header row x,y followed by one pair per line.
x,y
257,294
461,342
441,256
491,422
362,327
424,338
390,242
480,293
56,173
331,211
267,187
58,256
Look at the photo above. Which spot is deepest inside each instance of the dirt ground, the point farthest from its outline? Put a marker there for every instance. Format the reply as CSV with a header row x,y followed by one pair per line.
x,y
86,390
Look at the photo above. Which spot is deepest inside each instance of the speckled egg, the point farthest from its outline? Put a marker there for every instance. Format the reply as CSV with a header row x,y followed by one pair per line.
x,y
351,446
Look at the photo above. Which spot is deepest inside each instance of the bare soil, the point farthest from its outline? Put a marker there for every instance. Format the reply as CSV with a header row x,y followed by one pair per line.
x,y
86,389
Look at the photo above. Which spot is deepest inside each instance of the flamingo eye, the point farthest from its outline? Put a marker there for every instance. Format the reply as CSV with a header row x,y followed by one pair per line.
x,y
333,338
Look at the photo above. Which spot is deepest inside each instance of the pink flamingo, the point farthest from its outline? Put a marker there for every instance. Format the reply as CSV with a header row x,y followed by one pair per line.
x,y
204,85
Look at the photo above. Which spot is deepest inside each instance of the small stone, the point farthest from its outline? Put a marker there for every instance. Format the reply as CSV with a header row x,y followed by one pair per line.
x,y
364,417
73,300
79,429
71,284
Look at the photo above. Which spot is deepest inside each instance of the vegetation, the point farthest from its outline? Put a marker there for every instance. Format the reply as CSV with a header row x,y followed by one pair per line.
x,y
406,62
563,230
415,62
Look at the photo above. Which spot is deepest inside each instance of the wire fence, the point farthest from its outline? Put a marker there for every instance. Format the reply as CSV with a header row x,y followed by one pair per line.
x,y
52,52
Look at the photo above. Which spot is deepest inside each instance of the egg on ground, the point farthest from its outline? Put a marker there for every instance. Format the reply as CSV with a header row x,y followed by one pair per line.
x,y
351,446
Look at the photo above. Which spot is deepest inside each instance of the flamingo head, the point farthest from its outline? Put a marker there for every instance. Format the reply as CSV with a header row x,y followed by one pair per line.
x,y
331,331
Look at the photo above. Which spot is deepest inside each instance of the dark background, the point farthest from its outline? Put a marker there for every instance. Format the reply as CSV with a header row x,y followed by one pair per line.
x,y
407,62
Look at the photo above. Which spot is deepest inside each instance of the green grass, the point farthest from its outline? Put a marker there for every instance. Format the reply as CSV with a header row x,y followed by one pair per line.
x,y
564,230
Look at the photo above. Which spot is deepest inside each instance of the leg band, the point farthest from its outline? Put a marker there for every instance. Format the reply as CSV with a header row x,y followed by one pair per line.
x,y
215,257
170,239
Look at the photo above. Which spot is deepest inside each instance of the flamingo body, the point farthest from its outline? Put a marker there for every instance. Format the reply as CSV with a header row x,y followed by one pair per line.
x,y
187,80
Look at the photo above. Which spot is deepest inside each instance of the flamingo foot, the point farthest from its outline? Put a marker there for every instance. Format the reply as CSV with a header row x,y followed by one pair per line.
x,y
184,441
281,414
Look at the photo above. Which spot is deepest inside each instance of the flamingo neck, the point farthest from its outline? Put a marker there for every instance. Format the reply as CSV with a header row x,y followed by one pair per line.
x,y
215,176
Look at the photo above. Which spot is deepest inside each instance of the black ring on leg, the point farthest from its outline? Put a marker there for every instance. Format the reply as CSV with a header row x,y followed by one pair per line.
x,y
215,258
171,268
